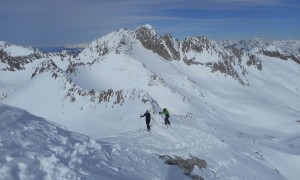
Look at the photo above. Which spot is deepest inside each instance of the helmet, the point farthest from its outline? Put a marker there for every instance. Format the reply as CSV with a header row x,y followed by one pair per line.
x,y
147,110
164,109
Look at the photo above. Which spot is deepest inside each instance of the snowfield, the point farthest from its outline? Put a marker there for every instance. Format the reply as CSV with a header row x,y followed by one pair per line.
x,y
32,147
233,104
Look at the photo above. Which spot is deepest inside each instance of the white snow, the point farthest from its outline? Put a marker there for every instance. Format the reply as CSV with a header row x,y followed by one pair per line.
x,y
14,50
242,132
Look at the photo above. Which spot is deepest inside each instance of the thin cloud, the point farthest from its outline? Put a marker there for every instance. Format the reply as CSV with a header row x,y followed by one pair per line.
x,y
63,20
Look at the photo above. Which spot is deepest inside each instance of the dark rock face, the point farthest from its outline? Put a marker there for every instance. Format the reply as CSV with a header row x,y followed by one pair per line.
x,y
72,67
274,54
117,97
282,56
187,165
237,53
164,46
102,49
173,45
254,61
17,63
170,49
48,65
191,61
196,44
227,67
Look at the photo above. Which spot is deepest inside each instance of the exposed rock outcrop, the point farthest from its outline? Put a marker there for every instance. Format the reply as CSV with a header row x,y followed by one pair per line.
x,y
15,63
187,165
165,46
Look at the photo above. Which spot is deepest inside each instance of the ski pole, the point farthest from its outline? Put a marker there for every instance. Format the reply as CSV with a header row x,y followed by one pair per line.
x,y
140,121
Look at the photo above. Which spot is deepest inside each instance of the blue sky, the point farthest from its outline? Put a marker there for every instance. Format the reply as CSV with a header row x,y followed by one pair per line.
x,y
59,22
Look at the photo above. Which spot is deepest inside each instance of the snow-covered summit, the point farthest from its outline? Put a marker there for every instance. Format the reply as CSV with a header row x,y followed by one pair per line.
x,y
116,42
14,57
15,51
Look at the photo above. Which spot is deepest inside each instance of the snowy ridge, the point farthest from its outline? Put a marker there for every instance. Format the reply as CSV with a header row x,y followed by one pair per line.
x,y
14,57
71,97
15,51
118,42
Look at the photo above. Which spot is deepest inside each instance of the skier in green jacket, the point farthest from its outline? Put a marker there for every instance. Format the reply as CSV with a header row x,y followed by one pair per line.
x,y
167,115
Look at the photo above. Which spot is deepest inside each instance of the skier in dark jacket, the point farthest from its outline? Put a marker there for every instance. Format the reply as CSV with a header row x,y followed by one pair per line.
x,y
167,115
148,118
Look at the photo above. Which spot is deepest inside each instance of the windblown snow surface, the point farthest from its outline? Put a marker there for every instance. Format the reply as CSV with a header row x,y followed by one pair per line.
x,y
91,126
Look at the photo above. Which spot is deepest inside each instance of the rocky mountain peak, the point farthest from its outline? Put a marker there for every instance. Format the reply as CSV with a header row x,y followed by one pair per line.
x,y
146,30
117,42
165,46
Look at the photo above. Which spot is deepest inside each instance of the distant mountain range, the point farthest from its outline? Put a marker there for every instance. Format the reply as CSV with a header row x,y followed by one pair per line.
x,y
100,88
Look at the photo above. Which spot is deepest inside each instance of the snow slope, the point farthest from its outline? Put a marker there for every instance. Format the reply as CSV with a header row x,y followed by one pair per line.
x,y
33,148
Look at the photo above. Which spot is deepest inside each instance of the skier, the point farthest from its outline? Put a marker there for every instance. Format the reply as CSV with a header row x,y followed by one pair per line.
x,y
167,115
148,118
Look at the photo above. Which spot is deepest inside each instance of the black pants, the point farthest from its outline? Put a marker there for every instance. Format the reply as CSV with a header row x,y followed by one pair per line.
x,y
167,120
148,124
